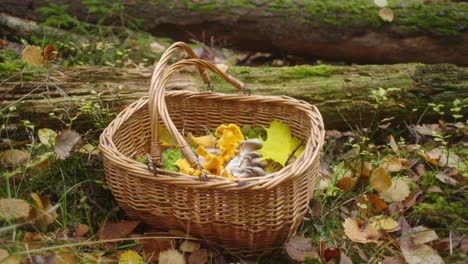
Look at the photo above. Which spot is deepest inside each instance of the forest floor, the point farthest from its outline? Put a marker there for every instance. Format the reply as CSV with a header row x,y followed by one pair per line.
x,y
385,193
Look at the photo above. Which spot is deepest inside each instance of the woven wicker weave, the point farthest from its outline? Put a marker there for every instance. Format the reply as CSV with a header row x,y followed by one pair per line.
x,y
238,214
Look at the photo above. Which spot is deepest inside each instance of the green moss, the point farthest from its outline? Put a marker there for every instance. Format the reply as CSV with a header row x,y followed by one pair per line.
x,y
438,211
298,72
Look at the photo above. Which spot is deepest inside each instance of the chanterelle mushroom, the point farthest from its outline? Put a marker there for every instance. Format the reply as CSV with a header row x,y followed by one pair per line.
x,y
247,162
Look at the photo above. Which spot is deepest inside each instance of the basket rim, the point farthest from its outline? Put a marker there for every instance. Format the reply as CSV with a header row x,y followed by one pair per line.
x,y
303,162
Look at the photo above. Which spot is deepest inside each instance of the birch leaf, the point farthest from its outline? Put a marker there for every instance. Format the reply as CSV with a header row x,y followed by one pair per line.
x,y
397,192
279,144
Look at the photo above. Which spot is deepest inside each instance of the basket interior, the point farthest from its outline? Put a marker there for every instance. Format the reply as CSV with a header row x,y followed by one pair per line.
x,y
197,114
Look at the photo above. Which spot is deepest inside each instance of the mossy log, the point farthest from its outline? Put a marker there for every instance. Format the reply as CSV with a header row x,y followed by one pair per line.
x,y
421,31
339,92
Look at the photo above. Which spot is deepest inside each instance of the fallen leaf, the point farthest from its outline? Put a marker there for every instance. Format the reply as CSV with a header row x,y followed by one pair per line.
x,y
331,253
428,129
130,257
32,55
379,180
11,208
45,214
5,258
386,224
188,246
198,256
398,259
171,256
397,192
65,141
441,176
346,183
345,259
394,164
392,143
298,247
208,141
333,133
49,52
81,230
152,247
364,234
386,14
117,230
47,136
422,235
381,3
422,254
279,132
377,204
14,158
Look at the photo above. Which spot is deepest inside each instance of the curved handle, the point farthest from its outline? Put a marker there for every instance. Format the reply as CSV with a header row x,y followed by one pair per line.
x,y
155,148
159,108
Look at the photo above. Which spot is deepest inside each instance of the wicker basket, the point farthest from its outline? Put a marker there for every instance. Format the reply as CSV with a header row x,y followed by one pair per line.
x,y
238,214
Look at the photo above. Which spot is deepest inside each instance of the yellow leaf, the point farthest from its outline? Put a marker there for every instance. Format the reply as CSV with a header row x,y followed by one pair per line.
x,y
385,224
397,192
279,144
171,256
5,258
130,257
208,141
32,55
379,180
47,136
365,234
46,215
13,209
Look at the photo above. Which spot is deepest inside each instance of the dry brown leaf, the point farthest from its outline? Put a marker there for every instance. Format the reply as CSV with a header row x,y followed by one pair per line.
x,y
299,247
422,254
64,257
333,133
32,55
381,3
14,158
394,165
428,129
346,183
393,144
65,141
345,259
81,230
376,203
5,258
398,259
379,180
397,192
171,256
386,224
361,253
435,189
422,235
45,214
441,176
365,234
198,256
47,136
117,230
49,53
189,246
11,208
386,14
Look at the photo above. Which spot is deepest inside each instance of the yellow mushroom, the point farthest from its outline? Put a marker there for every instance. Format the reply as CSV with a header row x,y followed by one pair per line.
x,y
228,142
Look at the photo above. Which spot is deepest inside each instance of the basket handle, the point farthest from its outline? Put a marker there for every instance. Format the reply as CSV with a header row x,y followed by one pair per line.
x,y
158,107
155,148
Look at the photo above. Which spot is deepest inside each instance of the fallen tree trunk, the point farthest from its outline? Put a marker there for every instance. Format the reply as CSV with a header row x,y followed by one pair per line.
x,y
427,32
337,91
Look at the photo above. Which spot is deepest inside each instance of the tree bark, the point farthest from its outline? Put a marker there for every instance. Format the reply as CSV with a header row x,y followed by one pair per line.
x,y
421,31
339,92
